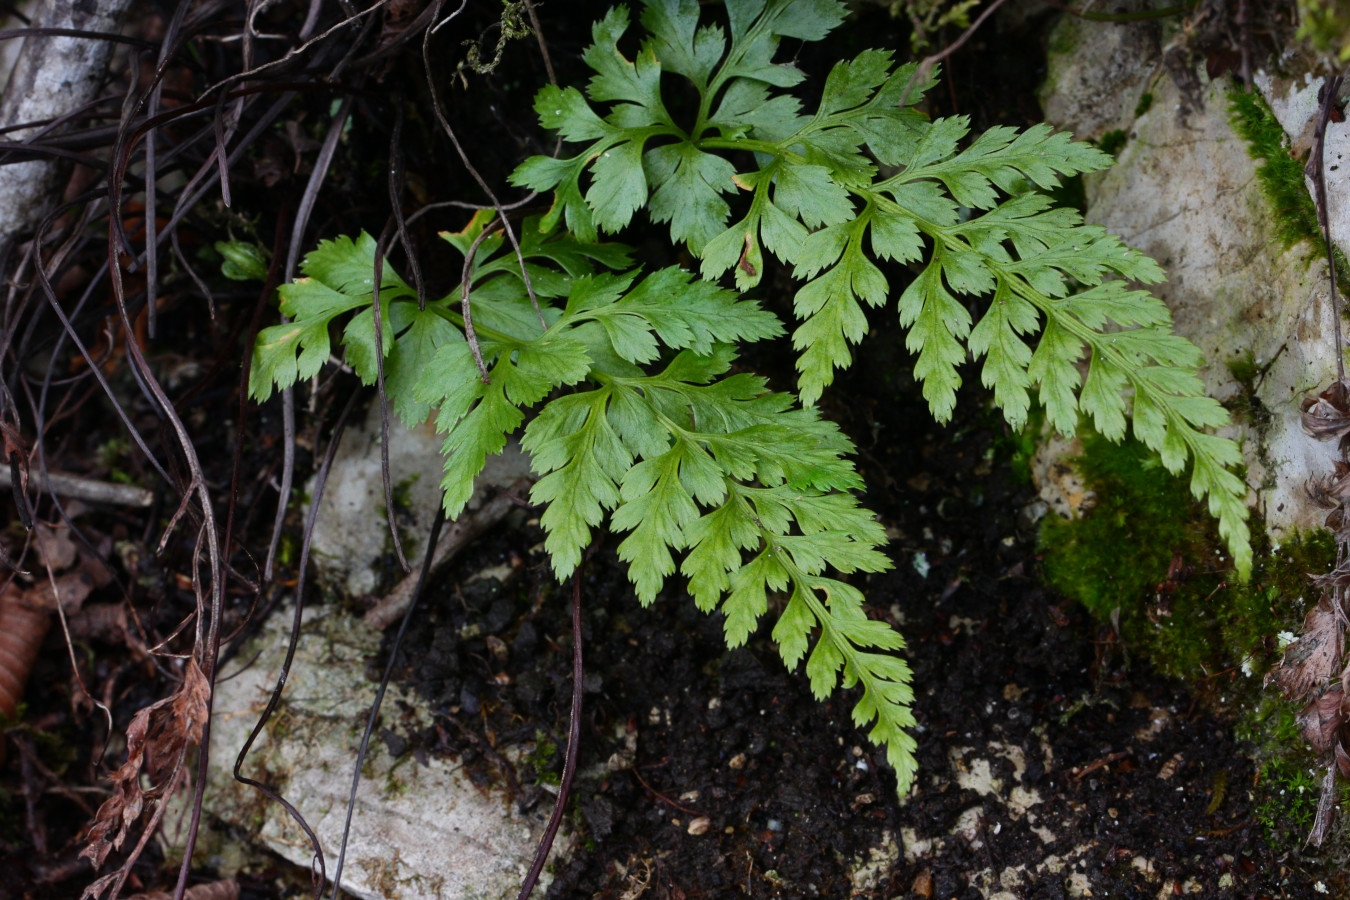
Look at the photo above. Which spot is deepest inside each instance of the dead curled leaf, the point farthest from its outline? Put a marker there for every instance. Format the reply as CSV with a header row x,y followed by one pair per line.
x,y
71,588
1309,662
158,740
1327,416
54,546
1330,491
23,625
1321,720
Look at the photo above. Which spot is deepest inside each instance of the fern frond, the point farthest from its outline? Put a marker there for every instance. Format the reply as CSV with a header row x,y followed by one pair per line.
x,y
1056,288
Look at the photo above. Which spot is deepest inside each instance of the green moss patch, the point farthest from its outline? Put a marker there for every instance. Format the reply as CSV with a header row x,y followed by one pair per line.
x,y
1147,558
1280,174
1112,141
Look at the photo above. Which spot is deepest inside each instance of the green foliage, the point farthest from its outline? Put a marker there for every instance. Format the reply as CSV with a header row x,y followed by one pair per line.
x,y
929,16
1325,24
1282,178
1112,141
817,203
624,382
698,465
1285,801
1191,619
242,261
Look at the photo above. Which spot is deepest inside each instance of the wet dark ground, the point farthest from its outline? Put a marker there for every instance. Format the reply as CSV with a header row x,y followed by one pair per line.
x,y
1051,765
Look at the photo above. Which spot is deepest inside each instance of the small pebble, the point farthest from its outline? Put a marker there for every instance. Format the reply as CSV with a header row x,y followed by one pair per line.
x,y
737,761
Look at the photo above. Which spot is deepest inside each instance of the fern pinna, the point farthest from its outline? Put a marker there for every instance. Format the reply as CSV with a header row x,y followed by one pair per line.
x,y
621,379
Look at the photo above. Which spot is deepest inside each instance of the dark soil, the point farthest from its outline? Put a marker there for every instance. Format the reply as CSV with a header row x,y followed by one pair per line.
x,y
1139,788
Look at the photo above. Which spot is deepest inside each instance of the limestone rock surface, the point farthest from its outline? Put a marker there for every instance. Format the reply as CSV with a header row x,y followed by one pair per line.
x,y
351,534
420,829
1184,190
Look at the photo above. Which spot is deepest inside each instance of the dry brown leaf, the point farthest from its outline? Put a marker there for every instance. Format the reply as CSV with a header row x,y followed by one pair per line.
x,y
1338,577
72,588
158,740
1309,662
54,546
1321,720
1326,807
105,622
1328,416
22,628
1330,491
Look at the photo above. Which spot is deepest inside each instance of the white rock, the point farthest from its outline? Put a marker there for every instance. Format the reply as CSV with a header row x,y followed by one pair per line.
x,y
913,846
1185,192
352,533
880,861
1187,195
1096,74
1079,885
967,825
418,831
977,775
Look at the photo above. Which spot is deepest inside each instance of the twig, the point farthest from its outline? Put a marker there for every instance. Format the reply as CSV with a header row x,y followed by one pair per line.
x,y
465,308
921,72
79,488
482,182
245,367
573,743
660,796
1317,170
1078,773
303,212
274,699
396,180
543,46
382,247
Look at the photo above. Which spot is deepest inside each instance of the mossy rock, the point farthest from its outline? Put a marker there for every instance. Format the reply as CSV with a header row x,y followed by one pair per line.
x,y
1147,558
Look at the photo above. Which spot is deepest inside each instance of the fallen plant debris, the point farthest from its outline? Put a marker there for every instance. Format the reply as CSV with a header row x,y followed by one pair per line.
x,y
1310,661
28,602
1305,673
158,740
1310,664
